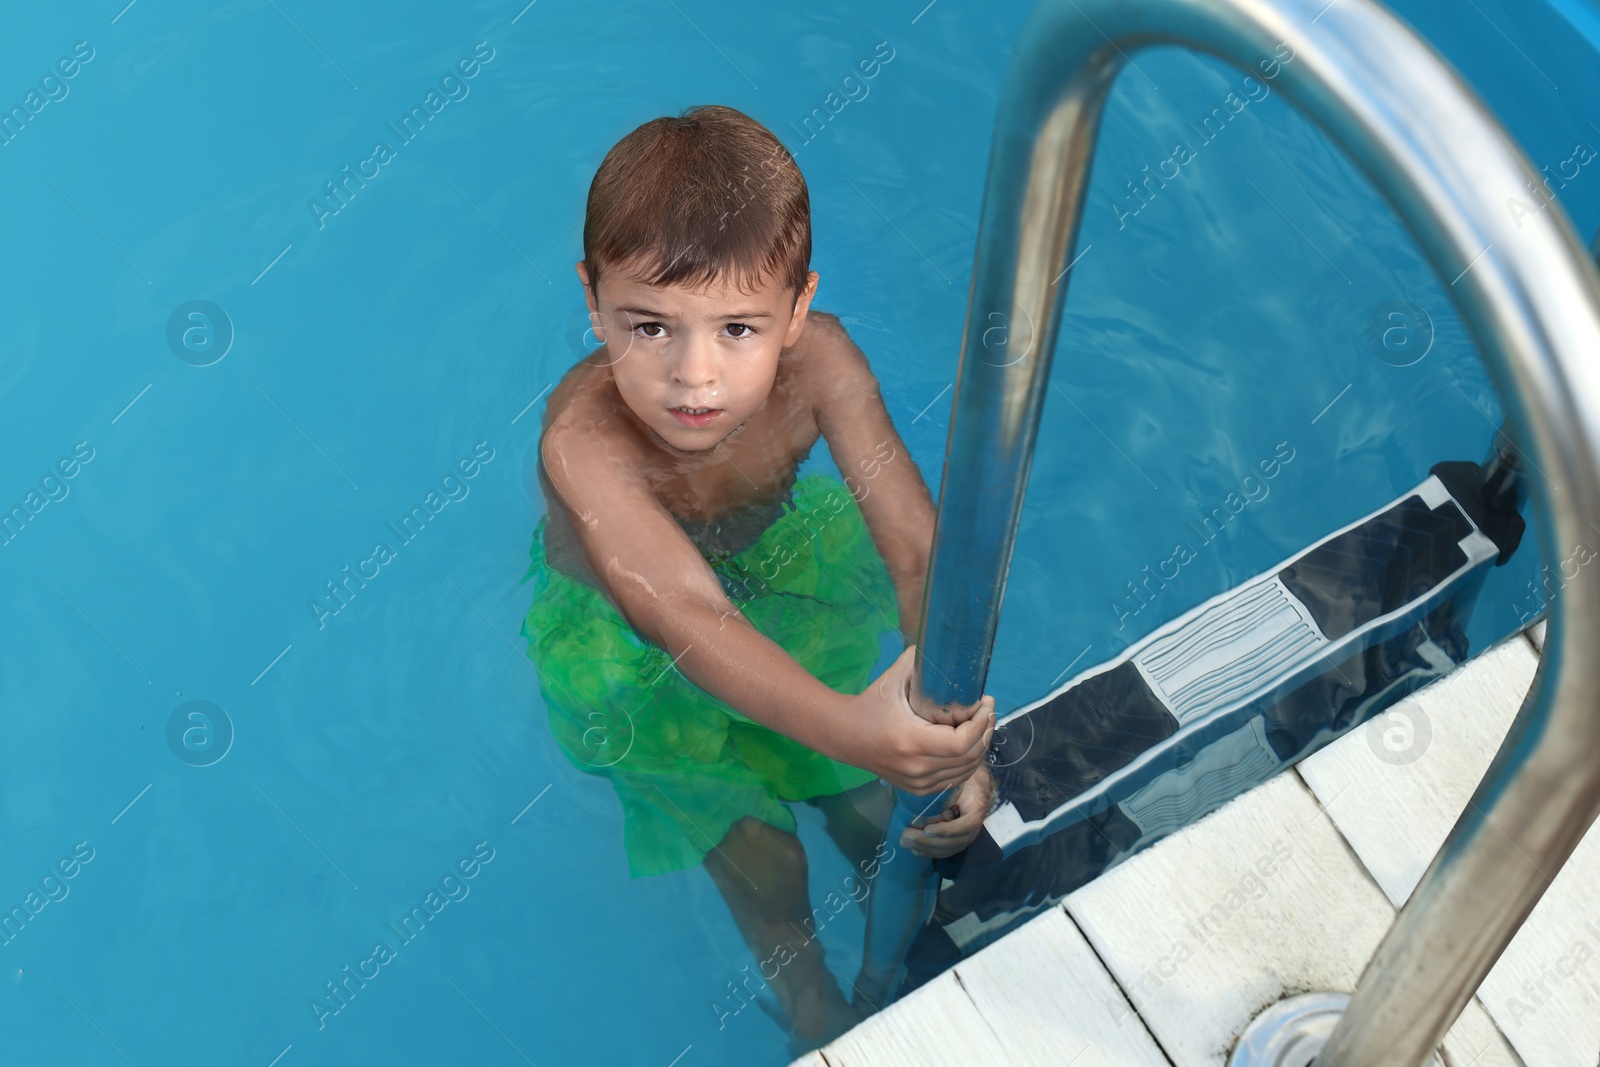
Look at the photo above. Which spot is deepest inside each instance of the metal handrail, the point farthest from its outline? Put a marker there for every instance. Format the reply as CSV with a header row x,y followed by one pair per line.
x,y
1530,296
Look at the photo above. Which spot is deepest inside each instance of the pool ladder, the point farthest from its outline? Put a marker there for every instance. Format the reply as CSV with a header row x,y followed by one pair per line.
x,y
1530,297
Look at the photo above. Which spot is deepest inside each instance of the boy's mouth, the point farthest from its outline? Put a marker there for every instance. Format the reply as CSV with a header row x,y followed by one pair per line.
x,y
695,417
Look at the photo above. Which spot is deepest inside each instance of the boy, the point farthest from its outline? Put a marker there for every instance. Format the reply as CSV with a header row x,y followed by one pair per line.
x,y
704,624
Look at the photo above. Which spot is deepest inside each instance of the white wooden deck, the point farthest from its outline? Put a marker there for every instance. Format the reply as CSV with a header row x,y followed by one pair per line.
x,y
1162,961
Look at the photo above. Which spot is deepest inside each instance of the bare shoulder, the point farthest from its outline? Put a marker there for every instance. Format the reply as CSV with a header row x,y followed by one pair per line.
x,y
585,443
575,395
827,362
823,330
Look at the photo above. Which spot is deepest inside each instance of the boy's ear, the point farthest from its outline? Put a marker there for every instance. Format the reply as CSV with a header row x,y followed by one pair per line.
x,y
589,298
588,287
802,304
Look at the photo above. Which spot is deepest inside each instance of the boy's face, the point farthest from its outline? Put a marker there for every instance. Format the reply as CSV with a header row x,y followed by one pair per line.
x,y
676,350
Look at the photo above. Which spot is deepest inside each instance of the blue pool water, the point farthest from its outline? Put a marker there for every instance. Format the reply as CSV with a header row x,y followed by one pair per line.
x,y
192,901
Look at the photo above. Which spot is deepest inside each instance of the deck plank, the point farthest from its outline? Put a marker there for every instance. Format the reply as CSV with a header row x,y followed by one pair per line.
x,y
1475,1040
1397,807
1545,990
1260,900
1051,1002
1544,993
934,1026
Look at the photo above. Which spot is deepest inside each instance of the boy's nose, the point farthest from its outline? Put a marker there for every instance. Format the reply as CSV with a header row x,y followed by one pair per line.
x,y
697,366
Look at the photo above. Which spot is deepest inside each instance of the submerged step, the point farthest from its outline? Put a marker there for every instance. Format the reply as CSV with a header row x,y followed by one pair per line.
x,y
1220,699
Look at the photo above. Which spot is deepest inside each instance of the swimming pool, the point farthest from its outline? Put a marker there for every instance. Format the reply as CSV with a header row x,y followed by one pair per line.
x,y
214,888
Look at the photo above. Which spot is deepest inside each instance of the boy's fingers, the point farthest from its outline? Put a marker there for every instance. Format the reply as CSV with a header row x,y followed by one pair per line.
x,y
955,714
965,823
949,756
945,843
946,826
944,775
957,816
972,733
941,774
950,771
927,783
947,746
944,814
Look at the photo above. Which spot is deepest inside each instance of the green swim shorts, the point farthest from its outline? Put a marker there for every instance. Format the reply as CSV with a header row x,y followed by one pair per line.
x,y
685,765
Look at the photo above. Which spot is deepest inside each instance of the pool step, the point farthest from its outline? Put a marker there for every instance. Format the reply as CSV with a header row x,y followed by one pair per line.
x,y
1162,961
1109,731
1218,700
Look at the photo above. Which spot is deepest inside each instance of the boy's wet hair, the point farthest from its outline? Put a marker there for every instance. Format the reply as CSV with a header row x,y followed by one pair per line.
x,y
709,196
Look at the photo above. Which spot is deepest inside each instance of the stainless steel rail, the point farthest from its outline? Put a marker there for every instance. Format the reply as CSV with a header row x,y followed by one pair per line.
x,y
1528,292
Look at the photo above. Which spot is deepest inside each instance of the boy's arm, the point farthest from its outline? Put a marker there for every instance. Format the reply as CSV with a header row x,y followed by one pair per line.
x,y
665,590
878,469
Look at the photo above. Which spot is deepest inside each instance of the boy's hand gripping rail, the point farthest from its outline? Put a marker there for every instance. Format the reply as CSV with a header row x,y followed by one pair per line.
x,y
1531,297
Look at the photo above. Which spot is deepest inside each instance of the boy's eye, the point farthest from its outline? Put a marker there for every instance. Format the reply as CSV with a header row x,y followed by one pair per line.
x,y
651,329
739,329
